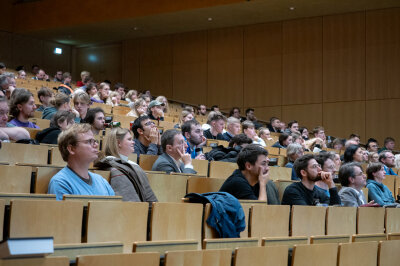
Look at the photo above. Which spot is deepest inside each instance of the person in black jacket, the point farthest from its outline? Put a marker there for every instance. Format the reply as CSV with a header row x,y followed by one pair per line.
x,y
59,122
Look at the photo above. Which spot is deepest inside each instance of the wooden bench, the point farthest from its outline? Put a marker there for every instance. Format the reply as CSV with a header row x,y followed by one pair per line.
x,y
362,253
221,257
148,259
15,179
314,255
261,256
203,185
168,188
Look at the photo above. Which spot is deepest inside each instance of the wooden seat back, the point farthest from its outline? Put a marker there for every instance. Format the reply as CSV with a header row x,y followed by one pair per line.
x,y
220,257
330,239
55,157
15,179
117,221
388,254
392,220
261,256
362,253
150,259
36,218
368,237
201,167
341,220
203,185
46,261
289,241
168,188
280,173
269,220
221,169
24,153
2,209
146,161
43,177
370,220
307,220
315,255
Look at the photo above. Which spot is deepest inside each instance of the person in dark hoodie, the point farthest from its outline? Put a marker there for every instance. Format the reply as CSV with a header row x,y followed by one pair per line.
x,y
229,154
61,121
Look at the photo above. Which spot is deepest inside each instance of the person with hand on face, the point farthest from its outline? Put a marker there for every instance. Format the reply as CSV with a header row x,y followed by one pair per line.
x,y
305,192
126,177
22,107
251,180
147,136
95,118
175,158
193,134
81,102
249,129
9,131
156,110
61,121
61,102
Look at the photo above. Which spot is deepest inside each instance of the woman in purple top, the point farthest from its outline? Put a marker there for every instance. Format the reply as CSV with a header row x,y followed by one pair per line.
x,y
22,107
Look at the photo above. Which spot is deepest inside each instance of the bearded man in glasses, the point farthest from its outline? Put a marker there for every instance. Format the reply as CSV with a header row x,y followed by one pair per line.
x,y
79,149
305,191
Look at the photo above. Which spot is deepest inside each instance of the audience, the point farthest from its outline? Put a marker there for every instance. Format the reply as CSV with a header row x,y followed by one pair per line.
x,y
120,89
126,177
79,149
58,77
9,131
113,99
84,74
235,112
232,128
21,74
372,145
327,162
264,134
214,108
41,75
386,157
147,136
217,124
185,116
202,111
195,140
251,180
22,107
319,132
377,191
163,99
373,157
103,93
95,118
3,68
294,151
61,121
304,133
156,110
175,158
337,144
61,102
293,127
355,137
305,192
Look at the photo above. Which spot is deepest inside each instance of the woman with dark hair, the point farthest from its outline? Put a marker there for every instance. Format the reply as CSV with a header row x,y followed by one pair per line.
x,y
284,140
377,191
61,121
353,153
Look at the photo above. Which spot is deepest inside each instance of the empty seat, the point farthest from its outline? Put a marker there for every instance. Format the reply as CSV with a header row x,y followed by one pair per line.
x,y
261,256
48,261
307,220
15,179
201,167
341,220
168,188
315,255
362,253
370,220
146,161
281,173
392,220
203,185
24,153
330,239
269,220
36,218
221,169
148,259
221,257
117,221
389,254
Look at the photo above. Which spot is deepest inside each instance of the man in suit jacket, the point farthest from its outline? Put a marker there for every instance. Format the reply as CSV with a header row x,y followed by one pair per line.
x,y
174,159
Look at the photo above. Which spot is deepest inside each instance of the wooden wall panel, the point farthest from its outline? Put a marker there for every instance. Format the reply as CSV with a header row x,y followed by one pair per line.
x,y
302,61
263,64
265,113
6,40
53,62
103,62
7,15
383,54
156,65
343,118
225,67
344,57
27,51
190,67
308,115
130,64
382,120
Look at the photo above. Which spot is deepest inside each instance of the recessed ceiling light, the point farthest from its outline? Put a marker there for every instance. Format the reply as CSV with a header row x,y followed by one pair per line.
x,y
292,8
210,19
135,28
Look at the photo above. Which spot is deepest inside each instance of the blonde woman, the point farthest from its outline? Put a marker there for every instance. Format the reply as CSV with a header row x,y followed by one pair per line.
x,y
185,116
81,103
103,92
126,177
138,108
163,99
114,98
131,96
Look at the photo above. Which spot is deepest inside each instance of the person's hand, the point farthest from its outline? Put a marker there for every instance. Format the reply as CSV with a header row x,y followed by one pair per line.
x,y
203,142
185,157
263,178
75,112
200,157
154,135
326,177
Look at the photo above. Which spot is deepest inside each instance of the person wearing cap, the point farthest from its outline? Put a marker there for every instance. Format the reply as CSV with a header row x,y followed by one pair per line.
x,y
156,110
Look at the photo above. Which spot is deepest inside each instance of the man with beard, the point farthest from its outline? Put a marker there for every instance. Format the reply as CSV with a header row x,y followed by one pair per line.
x,y
387,159
193,134
305,192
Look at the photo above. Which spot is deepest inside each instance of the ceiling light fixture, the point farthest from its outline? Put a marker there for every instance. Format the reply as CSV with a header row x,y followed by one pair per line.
x,y
292,8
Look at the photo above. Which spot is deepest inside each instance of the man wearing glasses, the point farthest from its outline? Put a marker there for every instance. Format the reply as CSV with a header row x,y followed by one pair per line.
x,y
387,159
79,149
147,136
305,192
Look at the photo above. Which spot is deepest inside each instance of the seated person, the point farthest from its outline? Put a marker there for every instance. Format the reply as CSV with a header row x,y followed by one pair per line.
x,y
284,140
175,158
264,134
251,180
79,149
353,153
126,177
113,99
147,136
229,154
45,96
294,151
327,162
185,116
249,129
377,191
81,102
274,125
386,157
22,107
217,123
9,131
232,128
102,93
193,134
65,87
61,121
304,133
304,192
95,118
156,110
353,179
138,108
61,103
91,90
163,99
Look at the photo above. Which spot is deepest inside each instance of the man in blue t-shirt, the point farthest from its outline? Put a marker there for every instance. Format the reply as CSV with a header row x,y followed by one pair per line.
x,y
79,149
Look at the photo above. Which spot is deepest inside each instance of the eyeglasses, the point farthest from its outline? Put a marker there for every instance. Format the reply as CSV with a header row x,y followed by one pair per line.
x,y
315,166
150,123
89,141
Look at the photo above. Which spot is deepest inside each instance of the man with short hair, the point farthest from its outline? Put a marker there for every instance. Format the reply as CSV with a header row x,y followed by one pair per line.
x,y
175,158
293,127
65,87
120,88
353,179
319,132
217,124
274,125
147,136
9,131
35,69
215,108
386,157
156,110
372,145
7,84
232,128
45,95
41,75
58,77
202,111
193,134
95,118
304,192
355,137
79,149
22,107
249,129
388,144
251,180
251,117
3,68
